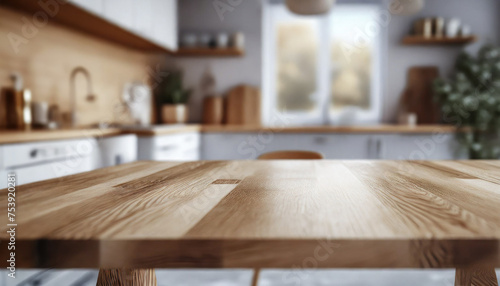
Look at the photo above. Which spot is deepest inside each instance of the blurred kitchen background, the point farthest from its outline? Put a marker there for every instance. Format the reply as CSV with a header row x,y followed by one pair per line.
x,y
88,84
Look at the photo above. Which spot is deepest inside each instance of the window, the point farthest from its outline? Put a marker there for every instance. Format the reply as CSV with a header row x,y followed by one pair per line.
x,y
323,69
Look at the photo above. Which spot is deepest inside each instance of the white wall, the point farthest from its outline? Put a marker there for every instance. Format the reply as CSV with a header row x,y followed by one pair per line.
x,y
200,16
481,15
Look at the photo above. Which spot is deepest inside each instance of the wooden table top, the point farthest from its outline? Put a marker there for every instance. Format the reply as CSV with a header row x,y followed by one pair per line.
x,y
262,214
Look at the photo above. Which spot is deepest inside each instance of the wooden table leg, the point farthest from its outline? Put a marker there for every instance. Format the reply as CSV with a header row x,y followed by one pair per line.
x,y
255,278
126,277
475,277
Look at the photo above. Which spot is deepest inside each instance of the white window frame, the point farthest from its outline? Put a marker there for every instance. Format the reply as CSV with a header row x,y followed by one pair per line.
x,y
326,117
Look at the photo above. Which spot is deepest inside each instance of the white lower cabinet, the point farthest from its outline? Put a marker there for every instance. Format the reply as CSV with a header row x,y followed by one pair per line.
x,y
172,147
37,161
421,147
248,146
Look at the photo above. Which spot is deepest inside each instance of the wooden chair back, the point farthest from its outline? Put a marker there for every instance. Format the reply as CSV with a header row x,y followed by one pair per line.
x,y
291,155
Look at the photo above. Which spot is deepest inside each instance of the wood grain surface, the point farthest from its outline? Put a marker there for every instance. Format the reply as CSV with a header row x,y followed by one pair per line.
x,y
418,97
476,277
126,277
263,214
243,106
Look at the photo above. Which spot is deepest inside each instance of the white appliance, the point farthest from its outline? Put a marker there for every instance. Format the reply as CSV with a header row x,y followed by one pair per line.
x,y
32,162
138,98
116,150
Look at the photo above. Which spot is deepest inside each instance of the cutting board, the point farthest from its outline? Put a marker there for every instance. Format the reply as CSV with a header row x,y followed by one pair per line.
x,y
243,106
418,97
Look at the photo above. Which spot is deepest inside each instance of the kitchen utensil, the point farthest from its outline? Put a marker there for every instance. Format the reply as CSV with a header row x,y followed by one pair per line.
x,y
427,30
439,27
188,40
452,28
418,97
465,31
208,83
204,40
54,113
243,106
213,110
40,114
222,40
405,118
238,40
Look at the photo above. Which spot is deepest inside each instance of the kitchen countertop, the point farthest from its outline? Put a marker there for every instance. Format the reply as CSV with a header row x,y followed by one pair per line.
x,y
14,136
332,129
262,214
8,137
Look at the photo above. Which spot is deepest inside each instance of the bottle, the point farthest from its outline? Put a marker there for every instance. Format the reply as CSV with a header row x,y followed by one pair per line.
x,y
17,105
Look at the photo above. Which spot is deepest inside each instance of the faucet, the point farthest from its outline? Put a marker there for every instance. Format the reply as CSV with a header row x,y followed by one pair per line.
x,y
90,96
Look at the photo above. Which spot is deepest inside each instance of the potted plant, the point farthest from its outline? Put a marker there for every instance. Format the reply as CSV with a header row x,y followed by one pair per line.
x,y
471,101
173,99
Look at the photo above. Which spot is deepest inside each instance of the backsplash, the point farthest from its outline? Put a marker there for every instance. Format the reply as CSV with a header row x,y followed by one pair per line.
x,y
47,58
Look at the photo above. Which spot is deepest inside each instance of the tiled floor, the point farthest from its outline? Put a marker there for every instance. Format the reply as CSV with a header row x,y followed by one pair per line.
x,y
243,277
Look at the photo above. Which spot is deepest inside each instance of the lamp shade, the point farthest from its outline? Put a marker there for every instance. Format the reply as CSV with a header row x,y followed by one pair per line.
x,y
407,7
309,7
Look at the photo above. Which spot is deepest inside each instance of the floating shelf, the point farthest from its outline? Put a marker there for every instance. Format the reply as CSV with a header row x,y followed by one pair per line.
x,y
420,40
208,52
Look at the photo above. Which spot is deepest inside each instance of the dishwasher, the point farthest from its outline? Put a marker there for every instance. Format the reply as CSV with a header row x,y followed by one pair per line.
x,y
33,162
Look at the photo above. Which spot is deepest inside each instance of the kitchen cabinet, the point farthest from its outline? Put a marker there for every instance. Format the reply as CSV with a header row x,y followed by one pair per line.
x,y
171,147
143,18
439,146
94,6
248,146
121,12
154,20
145,25
116,150
37,161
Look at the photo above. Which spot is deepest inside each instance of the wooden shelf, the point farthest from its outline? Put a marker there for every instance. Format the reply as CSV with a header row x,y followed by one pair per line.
x,y
81,20
208,52
420,40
